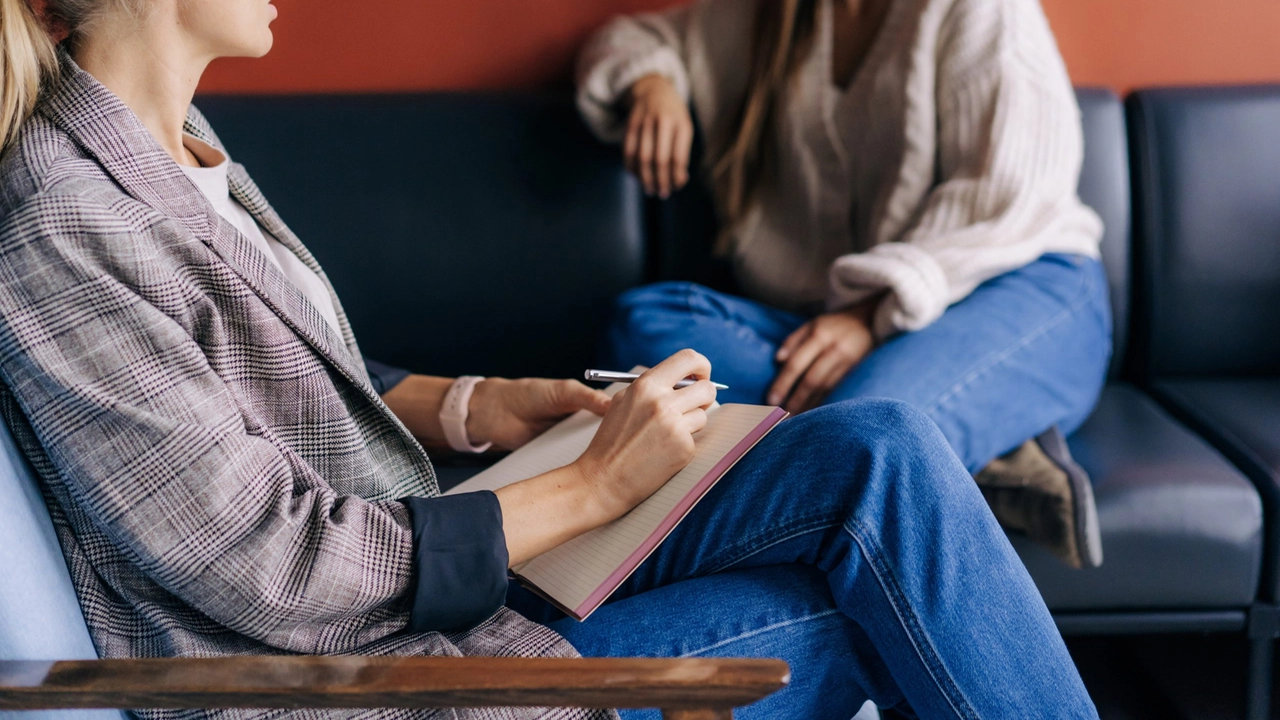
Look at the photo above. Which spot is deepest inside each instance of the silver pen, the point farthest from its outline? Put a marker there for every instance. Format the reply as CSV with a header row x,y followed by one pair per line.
x,y
611,376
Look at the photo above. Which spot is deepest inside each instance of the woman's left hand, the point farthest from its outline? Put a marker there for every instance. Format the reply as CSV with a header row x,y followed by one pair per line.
x,y
818,355
510,413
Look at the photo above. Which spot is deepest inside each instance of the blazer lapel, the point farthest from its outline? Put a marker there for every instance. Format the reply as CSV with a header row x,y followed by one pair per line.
x,y
110,132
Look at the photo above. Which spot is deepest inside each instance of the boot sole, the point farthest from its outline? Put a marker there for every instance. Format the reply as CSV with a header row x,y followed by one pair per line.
x,y
1084,509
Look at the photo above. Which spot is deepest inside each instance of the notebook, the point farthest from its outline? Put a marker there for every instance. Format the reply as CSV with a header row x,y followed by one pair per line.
x,y
579,575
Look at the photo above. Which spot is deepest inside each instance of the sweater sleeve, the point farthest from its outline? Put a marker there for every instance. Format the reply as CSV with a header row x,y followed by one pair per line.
x,y
1009,152
620,53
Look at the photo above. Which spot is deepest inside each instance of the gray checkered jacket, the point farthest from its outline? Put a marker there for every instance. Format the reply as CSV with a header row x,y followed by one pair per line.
x,y
222,476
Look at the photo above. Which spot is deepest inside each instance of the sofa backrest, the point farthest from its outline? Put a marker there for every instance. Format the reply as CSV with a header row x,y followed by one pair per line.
x,y
466,233
1105,187
1206,164
487,233
40,617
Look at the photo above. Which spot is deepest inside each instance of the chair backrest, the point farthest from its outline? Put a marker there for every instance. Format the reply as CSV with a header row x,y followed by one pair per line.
x,y
1206,164
685,225
466,232
40,617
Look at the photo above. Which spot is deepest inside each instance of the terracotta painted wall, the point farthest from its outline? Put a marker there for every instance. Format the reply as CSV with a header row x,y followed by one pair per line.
x,y
402,45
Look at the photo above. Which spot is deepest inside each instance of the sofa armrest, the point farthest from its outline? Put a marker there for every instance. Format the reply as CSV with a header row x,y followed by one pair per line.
x,y
686,688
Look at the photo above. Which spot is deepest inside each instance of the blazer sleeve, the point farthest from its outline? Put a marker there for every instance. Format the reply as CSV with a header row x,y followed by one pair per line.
x,y
152,448
1009,151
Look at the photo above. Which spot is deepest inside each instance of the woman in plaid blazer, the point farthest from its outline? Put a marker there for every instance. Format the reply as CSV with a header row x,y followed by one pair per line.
x,y
225,479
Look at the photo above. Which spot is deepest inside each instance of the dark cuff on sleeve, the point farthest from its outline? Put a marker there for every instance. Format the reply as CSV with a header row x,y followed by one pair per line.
x,y
460,553
383,377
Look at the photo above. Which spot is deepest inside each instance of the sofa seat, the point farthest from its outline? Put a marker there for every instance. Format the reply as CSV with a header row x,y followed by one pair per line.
x,y
1181,527
1241,417
1243,412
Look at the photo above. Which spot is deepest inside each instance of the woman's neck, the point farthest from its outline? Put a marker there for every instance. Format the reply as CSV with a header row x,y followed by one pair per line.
x,y
856,23
149,65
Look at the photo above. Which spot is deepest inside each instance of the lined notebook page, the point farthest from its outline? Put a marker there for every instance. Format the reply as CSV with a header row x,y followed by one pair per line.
x,y
555,448
580,574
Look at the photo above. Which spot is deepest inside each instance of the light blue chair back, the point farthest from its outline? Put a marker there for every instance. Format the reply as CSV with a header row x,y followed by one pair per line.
x,y
40,618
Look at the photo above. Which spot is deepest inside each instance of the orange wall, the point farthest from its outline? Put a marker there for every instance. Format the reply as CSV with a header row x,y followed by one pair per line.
x,y
391,45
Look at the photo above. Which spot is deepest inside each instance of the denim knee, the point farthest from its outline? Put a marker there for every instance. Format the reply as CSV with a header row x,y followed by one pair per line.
x,y
895,424
887,434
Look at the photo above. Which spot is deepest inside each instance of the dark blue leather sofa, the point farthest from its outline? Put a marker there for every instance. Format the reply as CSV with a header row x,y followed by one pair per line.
x,y
487,234
1207,198
1182,525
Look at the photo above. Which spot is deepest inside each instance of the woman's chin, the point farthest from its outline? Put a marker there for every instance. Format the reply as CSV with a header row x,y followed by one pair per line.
x,y
267,44
259,48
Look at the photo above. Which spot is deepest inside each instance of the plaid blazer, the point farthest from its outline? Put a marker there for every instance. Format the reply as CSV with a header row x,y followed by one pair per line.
x,y
222,476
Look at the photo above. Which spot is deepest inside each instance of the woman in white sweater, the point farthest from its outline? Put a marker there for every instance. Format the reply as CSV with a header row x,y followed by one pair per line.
x,y
895,183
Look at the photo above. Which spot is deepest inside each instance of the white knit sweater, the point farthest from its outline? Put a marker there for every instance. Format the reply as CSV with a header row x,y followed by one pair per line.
x,y
952,157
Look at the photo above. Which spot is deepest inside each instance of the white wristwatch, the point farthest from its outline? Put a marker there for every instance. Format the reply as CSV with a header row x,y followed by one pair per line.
x,y
453,415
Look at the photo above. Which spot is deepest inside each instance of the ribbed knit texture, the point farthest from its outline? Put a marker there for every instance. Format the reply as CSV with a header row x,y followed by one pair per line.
x,y
952,157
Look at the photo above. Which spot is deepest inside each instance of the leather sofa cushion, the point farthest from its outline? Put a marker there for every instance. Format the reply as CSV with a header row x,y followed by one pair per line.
x,y
1241,416
1104,186
465,233
1207,251
1181,527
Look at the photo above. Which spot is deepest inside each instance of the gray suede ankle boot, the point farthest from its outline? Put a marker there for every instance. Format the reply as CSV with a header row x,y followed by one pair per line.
x,y
1040,491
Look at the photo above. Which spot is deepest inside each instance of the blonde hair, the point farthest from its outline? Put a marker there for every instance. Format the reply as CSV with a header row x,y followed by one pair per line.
x,y
783,39
28,58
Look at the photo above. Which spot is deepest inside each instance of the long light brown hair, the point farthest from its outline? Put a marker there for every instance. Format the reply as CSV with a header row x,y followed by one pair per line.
x,y
784,31
26,60
29,30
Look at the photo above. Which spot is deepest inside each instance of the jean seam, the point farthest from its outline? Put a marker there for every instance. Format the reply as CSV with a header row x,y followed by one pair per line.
x,y
761,630
792,531
910,623
994,361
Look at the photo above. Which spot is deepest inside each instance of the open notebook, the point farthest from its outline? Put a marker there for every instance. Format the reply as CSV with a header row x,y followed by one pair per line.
x,y
579,575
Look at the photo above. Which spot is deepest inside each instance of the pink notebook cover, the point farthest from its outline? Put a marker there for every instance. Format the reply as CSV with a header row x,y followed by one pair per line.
x,y
678,513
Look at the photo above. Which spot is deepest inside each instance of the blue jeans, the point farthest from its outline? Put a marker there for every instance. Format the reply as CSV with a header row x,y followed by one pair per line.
x,y
1025,351
852,544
